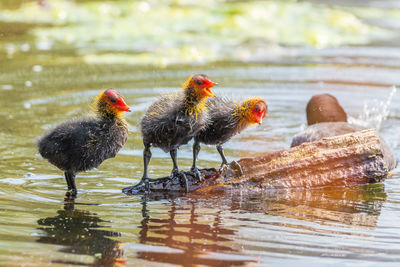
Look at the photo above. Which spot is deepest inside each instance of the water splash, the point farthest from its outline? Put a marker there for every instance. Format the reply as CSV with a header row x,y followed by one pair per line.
x,y
374,112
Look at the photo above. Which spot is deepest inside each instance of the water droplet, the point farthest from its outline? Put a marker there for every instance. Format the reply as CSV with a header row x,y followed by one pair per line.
x,y
375,112
27,105
28,83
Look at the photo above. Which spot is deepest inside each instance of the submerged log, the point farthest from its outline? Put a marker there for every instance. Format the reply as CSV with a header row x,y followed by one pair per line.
x,y
345,160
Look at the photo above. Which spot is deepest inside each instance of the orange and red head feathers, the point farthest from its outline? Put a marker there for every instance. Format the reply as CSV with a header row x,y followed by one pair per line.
x,y
201,85
111,102
252,110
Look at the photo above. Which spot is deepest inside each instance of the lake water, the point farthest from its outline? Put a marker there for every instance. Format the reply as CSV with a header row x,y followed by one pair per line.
x,y
43,82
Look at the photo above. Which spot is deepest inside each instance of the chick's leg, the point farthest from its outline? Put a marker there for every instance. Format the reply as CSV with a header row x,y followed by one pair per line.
x,y
176,172
194,170
145,178
221,153
174,155
70,178
146,159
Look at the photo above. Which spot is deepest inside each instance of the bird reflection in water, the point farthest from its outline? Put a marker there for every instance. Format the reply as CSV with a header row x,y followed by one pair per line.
x,y
193,238
194,230
76,231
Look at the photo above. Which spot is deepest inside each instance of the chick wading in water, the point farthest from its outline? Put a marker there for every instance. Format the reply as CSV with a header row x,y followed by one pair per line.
x,y
82,144
172,121
227,118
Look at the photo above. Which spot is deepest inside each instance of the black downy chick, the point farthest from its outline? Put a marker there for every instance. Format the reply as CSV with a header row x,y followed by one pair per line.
x,y
82,144
227,118
172,121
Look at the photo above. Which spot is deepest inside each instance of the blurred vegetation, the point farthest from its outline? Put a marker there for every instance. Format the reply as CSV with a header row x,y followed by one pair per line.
x,y
177,31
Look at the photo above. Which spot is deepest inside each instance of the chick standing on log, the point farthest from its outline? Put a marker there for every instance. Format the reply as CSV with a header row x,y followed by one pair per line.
x,y
174,120
227,118
84,143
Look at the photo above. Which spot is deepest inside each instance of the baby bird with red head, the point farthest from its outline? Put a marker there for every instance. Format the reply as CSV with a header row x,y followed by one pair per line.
x,y
82,144
227,118
172,121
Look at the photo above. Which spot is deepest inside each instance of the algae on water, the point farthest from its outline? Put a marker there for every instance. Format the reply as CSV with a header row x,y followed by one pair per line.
x,y
172,32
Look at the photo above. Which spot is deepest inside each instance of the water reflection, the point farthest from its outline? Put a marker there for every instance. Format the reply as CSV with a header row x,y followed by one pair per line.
x,y
196,240
197,231
356,206
76,231
221,231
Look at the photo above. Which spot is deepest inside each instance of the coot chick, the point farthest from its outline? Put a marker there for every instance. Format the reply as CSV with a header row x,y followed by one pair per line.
x,y
82,144
227,118
325,118
172,121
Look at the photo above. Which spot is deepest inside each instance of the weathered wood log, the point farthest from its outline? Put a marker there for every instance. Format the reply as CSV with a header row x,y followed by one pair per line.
x,y
344,160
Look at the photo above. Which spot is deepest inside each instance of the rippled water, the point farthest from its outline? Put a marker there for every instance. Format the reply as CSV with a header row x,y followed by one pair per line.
x,y
331,226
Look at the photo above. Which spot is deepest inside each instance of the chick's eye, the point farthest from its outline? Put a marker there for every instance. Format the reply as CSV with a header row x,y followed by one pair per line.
x,y
199,82
113,100
256,108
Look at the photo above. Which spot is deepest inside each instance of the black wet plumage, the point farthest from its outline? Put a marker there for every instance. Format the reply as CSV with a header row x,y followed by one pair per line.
x,y
84,143
224,124
227,118
168,123
173,120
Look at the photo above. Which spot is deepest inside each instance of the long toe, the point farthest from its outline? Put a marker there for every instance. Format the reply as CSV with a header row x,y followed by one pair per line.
x,y
175,174
184,181
133,188
223,166
196,173
129,189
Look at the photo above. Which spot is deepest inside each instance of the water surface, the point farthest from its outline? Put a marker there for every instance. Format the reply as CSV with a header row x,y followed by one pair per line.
x,y
41,86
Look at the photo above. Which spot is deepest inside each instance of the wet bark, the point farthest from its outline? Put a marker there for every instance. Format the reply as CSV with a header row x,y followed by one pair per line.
x,y
345,160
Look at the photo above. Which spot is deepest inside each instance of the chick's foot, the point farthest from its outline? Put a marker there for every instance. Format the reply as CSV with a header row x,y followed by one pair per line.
x,y
146,188
182,179
196,173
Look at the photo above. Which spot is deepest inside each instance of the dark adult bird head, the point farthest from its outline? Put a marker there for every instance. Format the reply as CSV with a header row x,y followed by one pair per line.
x,y
201,85
252,110
324,108
111,101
